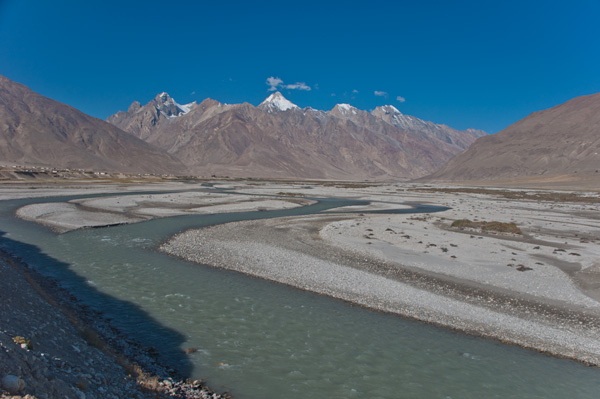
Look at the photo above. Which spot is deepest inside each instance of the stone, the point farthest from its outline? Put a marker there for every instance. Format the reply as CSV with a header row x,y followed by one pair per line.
x,y
12,383
23,342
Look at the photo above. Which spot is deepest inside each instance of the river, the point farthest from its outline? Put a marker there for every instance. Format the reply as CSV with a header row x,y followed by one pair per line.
x,y
259,339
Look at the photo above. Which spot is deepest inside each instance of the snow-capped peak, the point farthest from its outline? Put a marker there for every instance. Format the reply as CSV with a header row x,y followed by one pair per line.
x,y
345,110
391,115
164,98
390,109
166,105
277,102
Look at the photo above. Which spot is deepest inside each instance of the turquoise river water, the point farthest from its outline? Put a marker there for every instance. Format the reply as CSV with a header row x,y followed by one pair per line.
x,y
258,339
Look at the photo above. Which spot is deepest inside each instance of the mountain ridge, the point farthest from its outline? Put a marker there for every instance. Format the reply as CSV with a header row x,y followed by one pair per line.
x,y
38,131
279,139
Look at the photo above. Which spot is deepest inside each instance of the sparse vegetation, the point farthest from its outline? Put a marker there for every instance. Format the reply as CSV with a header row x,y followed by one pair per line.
x,y
420,218
288,194
465,223
348,185
513,194
501,227
494,226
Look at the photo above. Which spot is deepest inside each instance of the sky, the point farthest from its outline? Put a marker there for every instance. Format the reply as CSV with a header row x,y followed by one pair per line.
x,y
467,64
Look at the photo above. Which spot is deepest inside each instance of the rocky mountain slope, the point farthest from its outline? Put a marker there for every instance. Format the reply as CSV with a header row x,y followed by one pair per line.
x,y
560,141
279,139
144,120
36,130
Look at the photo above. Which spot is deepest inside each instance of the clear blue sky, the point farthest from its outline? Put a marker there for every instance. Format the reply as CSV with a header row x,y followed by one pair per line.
x,y
482,64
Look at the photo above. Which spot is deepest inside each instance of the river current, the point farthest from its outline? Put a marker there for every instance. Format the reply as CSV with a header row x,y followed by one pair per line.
x,y
259,339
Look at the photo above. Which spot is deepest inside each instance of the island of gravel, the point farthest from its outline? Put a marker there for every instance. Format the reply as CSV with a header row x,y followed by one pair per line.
x,y
538,289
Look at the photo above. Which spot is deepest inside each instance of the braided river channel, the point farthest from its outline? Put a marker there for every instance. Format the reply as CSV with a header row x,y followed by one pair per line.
x,y
259,340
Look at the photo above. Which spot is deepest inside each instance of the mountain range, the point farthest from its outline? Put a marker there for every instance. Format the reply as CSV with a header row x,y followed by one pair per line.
x,y
558,142
279,139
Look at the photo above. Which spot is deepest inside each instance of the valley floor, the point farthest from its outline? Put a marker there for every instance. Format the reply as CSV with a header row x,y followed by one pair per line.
x,y
539,289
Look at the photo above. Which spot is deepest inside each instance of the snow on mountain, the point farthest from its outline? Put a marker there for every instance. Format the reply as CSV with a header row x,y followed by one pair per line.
x,y
167,106
185,108
277,138
390,109
277,102
390,114
346,109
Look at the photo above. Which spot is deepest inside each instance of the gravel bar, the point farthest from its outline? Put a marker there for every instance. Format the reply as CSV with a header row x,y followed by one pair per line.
x,y
291,251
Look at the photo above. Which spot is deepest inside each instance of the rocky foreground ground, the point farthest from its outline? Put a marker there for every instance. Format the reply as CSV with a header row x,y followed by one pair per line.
x,y
51,349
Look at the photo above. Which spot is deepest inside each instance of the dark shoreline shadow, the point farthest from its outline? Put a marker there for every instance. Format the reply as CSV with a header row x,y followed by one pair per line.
x,y
149,344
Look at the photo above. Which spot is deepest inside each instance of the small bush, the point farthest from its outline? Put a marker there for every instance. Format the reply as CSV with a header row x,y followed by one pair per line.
x,y
462,223
288,194
501,227
494,226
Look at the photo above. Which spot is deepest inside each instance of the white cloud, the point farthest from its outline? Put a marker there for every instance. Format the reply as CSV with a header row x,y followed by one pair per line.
x,y
276,83
401,99
380,93
298,86
355,91
273,82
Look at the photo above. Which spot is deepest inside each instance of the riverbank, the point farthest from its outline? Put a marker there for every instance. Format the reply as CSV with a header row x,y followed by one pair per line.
x,y
51,347
87,358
